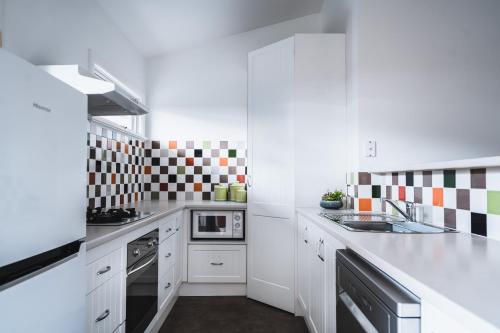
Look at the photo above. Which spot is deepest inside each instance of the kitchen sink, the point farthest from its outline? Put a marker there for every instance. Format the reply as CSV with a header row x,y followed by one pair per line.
x,y
382,223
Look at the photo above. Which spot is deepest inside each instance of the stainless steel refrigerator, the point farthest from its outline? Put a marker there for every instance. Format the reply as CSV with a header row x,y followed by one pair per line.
x,y
43,124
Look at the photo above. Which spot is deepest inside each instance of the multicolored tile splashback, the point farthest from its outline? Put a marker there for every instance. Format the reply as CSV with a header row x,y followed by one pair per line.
x,y
467,200
189,170
114,168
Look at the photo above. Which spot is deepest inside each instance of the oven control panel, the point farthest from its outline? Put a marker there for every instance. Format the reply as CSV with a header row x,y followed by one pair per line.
x,y
238,224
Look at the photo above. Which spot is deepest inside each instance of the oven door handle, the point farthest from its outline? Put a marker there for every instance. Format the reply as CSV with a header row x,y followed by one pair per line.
x,y
356,312
134,269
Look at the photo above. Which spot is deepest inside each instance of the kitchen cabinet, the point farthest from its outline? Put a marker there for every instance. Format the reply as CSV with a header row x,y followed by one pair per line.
x,y
316,275
179,245
296,101
104,306
217,264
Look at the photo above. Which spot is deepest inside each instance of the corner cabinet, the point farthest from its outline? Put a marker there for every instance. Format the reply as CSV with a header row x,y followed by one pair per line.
x,y
316,276
296,110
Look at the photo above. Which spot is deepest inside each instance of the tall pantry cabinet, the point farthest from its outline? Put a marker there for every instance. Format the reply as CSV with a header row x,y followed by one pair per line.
x,y
296,152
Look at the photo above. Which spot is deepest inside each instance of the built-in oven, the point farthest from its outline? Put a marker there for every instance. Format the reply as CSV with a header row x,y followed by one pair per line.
x,y
217,225
369,301
142,282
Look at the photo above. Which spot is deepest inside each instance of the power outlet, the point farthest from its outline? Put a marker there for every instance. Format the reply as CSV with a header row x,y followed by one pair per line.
x,y
371,148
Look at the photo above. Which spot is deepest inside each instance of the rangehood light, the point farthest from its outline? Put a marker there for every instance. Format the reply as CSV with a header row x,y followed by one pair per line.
x,y
76,77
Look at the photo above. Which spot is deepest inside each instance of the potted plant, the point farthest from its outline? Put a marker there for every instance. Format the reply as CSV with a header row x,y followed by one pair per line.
x,y
332,200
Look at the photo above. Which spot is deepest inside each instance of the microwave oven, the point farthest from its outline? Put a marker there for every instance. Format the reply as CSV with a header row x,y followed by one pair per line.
x,y
217,225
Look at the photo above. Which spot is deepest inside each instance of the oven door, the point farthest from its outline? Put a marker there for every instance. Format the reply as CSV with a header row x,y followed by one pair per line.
x,y
212,225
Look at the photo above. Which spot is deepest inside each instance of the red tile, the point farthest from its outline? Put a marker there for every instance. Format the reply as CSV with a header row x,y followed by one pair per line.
x,y
437,197
163,187
402,193
113,178
189,161
365,205
91,178
241,179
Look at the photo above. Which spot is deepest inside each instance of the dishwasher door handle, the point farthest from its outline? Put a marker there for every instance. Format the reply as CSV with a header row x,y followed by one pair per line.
x,y
357,313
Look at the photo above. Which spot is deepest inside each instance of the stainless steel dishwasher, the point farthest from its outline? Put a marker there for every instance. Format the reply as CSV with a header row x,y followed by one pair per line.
x,y
369,301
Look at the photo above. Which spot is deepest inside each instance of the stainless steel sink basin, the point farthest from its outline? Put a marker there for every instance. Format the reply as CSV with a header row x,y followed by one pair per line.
x,y
382,223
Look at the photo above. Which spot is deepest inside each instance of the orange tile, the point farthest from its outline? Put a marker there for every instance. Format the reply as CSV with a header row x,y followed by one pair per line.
x,y
172,145
197,187
147,170
189,161
126,148
365,205
136,196
437,197
223,161
402,193
113,178
241,179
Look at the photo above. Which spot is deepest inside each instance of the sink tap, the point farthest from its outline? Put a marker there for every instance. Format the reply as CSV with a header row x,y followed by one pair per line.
x,y
411,210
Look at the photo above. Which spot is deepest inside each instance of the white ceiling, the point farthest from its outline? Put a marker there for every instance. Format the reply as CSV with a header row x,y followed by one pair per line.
x,y
159,26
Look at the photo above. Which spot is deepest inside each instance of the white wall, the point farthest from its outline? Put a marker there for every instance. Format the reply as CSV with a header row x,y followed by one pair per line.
x,y
201,93
61,31
425,79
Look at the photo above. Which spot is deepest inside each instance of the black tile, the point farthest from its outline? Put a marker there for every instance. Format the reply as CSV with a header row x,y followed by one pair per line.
x,y
172,161
376,191
155,179
189,179
206,196
206,179
92,153
449,178
97,166
478,224
155,161
155,144
172,179
409,178
147,187
395,178
172,196
163,170
198,170
198,153
223,179
181,187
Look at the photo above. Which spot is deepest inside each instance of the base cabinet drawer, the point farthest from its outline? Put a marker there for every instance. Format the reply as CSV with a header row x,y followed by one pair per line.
x,y
167,254
104,306
166,286
103,269
217,263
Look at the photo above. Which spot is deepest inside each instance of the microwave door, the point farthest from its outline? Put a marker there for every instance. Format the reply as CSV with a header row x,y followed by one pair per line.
x,y
212,226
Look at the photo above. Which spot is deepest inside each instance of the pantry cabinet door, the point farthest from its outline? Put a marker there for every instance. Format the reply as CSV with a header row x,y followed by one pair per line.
x,y
303,245
271,229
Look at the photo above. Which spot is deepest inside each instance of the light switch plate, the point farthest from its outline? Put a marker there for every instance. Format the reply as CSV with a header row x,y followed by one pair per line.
x,y
371,148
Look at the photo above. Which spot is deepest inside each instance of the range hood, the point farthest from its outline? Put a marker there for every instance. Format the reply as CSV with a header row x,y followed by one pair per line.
x,y
105,97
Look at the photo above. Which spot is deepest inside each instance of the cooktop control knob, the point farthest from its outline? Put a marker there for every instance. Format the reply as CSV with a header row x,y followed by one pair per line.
x,y
136,252
237,225
237,217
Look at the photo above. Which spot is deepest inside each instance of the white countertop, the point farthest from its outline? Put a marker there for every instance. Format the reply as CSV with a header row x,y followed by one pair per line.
x,y
98,235
456,272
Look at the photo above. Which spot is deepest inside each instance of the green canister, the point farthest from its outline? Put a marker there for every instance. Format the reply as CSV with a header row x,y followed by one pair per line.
x,y
233,189
241,195
220,192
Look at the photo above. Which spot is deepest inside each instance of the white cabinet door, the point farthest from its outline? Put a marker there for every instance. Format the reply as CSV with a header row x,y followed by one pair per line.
x,y
217,264
271,178
331,245
104,306
179,239
303,264
317,305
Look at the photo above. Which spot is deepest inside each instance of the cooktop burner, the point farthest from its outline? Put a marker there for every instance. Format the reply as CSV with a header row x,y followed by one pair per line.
x,y
114,216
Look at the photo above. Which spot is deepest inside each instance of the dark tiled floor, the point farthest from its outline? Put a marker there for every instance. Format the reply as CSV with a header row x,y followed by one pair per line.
x,y
231,315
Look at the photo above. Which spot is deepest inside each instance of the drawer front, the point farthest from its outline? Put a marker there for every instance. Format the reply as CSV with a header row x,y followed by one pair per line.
x,y
166,286
217,263
167,254
104,306
167,227
104,269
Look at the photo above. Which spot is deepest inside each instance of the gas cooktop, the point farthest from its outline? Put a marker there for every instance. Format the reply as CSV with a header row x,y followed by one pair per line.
x,y
114,216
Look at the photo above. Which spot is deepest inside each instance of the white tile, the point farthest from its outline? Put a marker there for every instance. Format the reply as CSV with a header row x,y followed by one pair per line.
x,y
388,178
427,196
155,187
181,179
189,170
207,170
163,196
364,191
438,216
197,178
437,178
410,194
463,178
224,153
197,196
172,170
189,187
163,160
478,201
376,205
401,178
493,179
493,226
377,179
181,161
181,196
418,179
206,187
155,153
450,198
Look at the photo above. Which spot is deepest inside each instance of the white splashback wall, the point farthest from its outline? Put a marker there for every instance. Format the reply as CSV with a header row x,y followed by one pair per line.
x,y
201,93
61,32
423,79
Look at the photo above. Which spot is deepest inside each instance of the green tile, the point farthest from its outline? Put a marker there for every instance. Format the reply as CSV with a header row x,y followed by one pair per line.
x,y
232,153
450,178
103,155
155,195
376,191
207,145
494,202
181,170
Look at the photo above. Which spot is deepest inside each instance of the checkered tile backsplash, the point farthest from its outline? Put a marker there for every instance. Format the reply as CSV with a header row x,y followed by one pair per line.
x,y
189,170
114,167
467,200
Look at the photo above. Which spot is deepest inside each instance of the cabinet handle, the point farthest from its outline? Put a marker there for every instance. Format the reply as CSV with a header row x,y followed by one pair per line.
x,y
168,255
103,316
168,285
104,270
216,263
